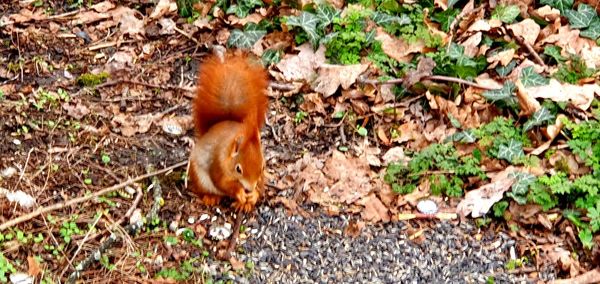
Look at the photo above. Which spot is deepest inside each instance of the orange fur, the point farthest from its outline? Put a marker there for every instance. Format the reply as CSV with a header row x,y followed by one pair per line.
x,y
229,110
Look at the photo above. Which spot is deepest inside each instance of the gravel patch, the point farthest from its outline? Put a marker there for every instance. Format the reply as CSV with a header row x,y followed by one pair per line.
x,y
293,249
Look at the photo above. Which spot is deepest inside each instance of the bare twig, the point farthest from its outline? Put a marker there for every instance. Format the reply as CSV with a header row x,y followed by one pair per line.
x,y
532,51
457,80
236,232
433,78
273,132
164,87
74,201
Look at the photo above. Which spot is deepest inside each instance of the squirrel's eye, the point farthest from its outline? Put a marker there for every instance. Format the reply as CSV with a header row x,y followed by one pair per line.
x,y
238,169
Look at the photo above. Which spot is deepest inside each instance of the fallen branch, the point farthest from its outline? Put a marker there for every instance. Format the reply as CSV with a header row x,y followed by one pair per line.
x,y
60,205
433,78
149,85
233,241
529,48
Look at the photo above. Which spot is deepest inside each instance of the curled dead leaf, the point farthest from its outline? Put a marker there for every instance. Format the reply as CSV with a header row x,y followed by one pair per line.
x,y
527,29
479,201
333,76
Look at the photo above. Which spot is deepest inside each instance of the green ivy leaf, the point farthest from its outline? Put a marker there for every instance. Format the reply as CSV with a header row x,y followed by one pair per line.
x,y
244,39
554,52
307,22
456,51
593,31
582,18
511,151
503,71
522,182
540,117
271,56
466,136
531,79
445,18
502,94
454,121
326,13
384,19
506,14
561,5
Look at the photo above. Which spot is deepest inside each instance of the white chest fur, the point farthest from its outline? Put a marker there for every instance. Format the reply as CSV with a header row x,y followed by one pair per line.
x,y
202,159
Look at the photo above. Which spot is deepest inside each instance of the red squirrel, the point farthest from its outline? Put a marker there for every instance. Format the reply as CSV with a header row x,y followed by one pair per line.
x,y
228,111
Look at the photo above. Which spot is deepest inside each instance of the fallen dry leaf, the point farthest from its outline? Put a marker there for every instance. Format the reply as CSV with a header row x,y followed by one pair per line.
x,y
33,267
103,6
580,96
162,8
471,44
527,29
550,132
350,177
527,102
313,103
503,57
77,111
424,69
302,66
374,210
562,258
398,48
479,201
332,76
547,13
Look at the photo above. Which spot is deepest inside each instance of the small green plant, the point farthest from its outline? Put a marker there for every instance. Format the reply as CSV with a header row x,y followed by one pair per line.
x,y
105,261
185,7
453,62
573,71
516,263
69,228
105,158
5,268
506,13
362,131
482,222
502,139
300,116
190,237
439,163
184,272
91,80
407,21
350,38
44,98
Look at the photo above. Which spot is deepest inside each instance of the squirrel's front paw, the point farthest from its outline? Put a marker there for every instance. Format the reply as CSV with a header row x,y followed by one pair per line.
x,y
247,202
210,199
